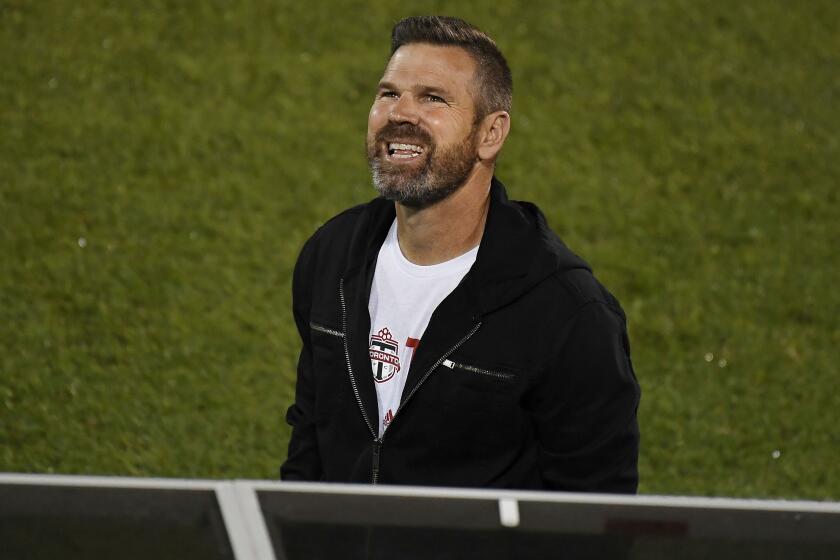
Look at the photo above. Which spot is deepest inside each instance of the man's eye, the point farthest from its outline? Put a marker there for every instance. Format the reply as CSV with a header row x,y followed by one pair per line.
x,y
435,99
392,94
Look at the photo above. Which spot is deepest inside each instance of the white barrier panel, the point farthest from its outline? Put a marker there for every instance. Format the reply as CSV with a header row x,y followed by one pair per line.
x,y
71,517
328,521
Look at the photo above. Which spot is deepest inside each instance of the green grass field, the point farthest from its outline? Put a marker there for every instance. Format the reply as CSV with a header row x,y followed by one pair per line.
x,y
161,164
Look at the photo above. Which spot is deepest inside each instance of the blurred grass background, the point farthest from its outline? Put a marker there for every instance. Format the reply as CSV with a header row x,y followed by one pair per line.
x,y
162,162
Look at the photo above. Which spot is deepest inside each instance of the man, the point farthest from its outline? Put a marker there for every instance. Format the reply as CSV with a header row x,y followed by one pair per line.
x,y
449,337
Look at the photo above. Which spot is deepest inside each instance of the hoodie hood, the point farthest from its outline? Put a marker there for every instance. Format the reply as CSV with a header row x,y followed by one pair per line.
x,y
518,250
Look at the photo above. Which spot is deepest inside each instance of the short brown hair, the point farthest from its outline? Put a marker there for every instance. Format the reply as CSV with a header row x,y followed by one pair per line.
x,y
495,85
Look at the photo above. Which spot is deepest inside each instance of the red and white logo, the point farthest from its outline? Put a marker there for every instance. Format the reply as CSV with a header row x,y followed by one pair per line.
x,y
389,417
384,355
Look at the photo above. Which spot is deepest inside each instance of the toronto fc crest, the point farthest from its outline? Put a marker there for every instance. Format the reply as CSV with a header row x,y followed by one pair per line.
x,y
384,355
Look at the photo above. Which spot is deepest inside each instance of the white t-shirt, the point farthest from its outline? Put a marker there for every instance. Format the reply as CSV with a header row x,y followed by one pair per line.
x,y
402,299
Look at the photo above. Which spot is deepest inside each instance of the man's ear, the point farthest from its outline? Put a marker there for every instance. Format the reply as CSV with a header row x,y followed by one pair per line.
x,y
494,131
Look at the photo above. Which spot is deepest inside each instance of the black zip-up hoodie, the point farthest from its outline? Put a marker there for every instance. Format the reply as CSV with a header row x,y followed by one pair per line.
x,y
522,379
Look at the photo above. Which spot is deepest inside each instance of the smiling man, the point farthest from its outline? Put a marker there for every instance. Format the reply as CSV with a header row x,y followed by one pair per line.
x,y
449,337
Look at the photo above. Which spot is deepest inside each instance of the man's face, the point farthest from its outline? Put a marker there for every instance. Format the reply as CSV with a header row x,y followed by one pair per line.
x,y
421,139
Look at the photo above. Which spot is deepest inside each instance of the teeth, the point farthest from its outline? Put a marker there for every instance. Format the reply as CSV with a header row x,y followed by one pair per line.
x,y
412,147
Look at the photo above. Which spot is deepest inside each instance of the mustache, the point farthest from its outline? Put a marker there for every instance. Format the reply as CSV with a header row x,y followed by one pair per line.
x,y
403,131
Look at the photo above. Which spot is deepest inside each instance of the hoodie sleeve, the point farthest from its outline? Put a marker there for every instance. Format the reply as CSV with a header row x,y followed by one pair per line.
x,y
303,461
586,411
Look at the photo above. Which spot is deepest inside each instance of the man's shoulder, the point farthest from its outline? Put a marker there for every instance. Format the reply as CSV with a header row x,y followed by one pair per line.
x,y
347,222
342,223
346,235
581,288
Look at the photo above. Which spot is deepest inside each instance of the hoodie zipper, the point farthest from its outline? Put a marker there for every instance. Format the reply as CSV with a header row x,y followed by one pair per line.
x,y
440,360
379,440
325,330
497,374
347,359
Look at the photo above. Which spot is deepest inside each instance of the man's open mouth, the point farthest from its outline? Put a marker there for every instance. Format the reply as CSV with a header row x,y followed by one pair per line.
x,y
398,150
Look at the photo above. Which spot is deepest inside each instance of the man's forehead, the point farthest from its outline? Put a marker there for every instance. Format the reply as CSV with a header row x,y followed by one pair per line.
x,y
423,61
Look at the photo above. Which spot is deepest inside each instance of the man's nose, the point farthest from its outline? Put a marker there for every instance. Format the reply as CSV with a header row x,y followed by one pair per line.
x,y
404,110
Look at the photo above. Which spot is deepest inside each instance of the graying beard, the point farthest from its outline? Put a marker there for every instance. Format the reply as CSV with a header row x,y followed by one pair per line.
x,y
415,193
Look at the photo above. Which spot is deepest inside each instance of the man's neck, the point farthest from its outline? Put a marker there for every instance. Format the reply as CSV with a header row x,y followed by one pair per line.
x,y
448,228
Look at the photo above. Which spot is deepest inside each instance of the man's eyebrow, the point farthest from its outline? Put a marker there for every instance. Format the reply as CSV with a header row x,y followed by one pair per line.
x,y
388,86
434,89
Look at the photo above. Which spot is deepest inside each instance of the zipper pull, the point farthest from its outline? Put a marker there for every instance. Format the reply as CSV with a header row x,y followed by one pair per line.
x,y
377,445
449,363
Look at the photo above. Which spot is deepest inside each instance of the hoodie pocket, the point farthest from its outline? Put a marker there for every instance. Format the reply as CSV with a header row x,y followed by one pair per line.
x,y
328,370
463,389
